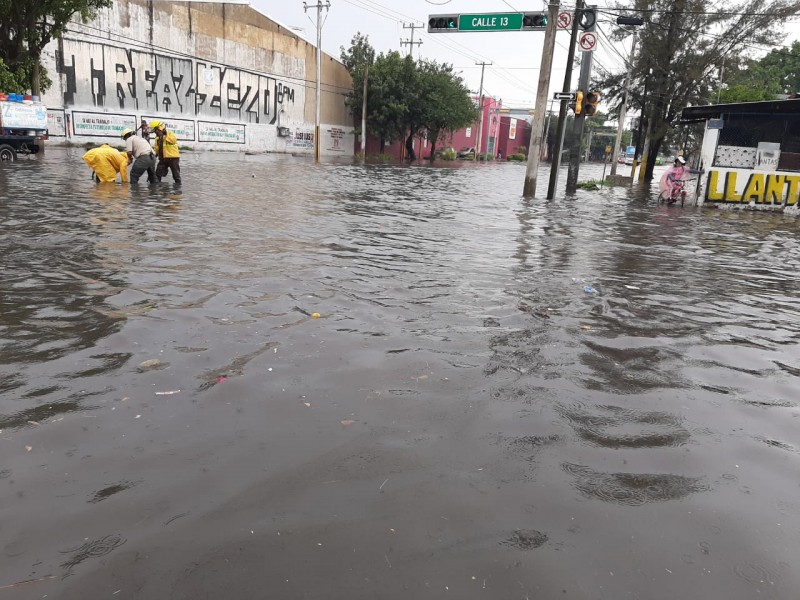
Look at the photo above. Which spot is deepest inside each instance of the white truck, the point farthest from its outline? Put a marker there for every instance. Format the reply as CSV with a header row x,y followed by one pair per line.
x,y
23,126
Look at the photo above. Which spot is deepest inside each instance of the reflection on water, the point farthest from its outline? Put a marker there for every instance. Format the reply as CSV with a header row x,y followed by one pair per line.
x,y
595,350
632,489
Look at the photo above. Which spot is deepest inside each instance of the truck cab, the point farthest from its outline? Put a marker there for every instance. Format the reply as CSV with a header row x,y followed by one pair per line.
x,y
23,126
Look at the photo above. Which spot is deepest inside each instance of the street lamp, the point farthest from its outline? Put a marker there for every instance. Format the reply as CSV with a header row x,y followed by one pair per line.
x,y
636,21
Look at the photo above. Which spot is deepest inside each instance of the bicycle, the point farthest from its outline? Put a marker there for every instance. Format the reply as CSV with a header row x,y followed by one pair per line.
x,y
678,192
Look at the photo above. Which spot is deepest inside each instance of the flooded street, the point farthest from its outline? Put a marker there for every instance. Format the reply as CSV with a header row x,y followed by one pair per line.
x,y
293,381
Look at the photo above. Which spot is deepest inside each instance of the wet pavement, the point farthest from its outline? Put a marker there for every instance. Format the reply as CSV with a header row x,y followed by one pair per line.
x,y
294,381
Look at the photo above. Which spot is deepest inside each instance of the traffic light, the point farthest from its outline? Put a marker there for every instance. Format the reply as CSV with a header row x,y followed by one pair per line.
x,y
592,100
587,19
442,23
577,104
535,21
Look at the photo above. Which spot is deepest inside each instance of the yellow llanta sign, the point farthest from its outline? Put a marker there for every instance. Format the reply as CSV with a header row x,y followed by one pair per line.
x,y
761,188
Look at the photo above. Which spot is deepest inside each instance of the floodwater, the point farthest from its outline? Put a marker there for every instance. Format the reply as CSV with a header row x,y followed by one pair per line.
x,y
590,398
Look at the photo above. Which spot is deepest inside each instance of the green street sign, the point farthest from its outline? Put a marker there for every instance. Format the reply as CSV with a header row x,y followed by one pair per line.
x,y
455,23
490,22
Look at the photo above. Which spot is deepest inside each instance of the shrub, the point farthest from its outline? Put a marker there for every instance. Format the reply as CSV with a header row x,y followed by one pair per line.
x,y
520,157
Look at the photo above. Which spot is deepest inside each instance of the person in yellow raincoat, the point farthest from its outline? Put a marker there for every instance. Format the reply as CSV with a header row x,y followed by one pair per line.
x,y
106,162
167,151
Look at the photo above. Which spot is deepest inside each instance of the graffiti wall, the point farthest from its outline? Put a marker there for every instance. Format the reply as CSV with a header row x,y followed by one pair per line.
x,y
221,76
134,81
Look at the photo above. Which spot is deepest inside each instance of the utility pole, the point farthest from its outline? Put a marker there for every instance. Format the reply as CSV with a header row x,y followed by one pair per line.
x,y
364,113
577,124
411,43
540,114
555,162
623,108
319,8
480,123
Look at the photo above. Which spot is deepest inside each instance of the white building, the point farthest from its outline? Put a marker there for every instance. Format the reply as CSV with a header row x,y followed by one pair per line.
x,y
221,75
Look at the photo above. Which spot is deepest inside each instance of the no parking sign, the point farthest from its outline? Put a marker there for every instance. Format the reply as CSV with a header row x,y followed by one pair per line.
x,y
587,41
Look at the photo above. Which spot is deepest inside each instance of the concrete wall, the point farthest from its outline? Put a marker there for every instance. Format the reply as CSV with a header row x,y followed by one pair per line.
x,y
222,76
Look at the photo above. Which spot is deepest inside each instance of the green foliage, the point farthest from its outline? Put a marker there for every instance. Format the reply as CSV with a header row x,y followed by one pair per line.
x,y
764,79
684,45
445,103
405,97
380,158
744,93
591,185
357,60
448,154
18,80
9,80
27,26
519,157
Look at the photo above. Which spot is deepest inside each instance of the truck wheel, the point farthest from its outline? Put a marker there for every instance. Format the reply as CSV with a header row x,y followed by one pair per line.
x,y
7,153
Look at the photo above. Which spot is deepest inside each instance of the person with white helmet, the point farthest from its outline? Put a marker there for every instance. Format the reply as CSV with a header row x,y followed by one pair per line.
x,y
672,180
169,156
141,155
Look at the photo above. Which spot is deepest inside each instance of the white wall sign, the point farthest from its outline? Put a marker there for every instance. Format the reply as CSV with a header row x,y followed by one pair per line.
x,y
301,139
56,123
101,124
512,129
768,155
226,133
183,129
336,139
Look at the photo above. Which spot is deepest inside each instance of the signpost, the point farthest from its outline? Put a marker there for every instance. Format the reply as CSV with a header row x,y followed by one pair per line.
x,y
564,96
470,23
564,20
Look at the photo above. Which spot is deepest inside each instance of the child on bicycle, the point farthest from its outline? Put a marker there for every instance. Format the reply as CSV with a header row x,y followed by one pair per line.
x,y
672,180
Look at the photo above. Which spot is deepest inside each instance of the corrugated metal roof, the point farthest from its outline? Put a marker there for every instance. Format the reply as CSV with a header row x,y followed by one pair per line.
x,y
693,114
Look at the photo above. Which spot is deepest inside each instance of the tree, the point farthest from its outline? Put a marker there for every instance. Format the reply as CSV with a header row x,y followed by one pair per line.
x,y
390,96
405,98
27,26
764,79
445,102
684,46
357,60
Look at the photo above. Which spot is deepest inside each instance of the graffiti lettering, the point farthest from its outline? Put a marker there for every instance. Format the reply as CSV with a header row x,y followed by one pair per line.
x,y
159,83
761,188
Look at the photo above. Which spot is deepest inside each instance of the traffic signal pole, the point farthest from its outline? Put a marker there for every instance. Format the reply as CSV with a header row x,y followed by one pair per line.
x,y
537,131
555,162
577,126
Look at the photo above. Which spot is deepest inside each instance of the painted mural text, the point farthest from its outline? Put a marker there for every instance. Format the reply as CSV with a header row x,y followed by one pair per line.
x,y
761,188
123,79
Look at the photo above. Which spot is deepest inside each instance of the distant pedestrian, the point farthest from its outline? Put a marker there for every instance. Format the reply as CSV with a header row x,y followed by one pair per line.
x,y
141,155
169,156
106,162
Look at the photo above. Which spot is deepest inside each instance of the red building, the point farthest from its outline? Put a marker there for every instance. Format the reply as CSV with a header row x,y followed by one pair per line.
x,y
463,138
514,136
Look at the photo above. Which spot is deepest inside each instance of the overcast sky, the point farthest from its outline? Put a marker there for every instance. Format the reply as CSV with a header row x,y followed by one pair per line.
x,y
515,56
